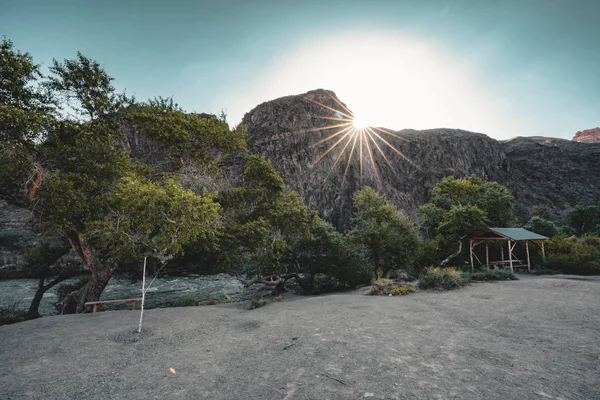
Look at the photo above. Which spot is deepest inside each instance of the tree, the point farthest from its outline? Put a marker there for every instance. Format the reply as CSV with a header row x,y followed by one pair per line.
x,y
26,113
460,207
89,191
324,250
542,226
584,219
390,238
263,224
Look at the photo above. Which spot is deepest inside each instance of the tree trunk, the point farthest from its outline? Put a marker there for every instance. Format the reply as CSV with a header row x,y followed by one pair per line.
x,y
453,255
100,275
75,301
37,299
42,289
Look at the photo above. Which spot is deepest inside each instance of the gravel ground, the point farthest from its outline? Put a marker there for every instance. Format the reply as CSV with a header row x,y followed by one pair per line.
x,y
536,338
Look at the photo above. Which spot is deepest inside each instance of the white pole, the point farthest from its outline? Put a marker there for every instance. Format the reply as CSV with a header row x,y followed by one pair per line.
x,y
143,296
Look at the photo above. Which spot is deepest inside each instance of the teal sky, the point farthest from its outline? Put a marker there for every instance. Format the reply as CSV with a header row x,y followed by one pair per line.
x,y
504,68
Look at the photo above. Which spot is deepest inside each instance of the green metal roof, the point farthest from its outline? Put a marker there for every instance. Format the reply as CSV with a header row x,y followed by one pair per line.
x,y
518,234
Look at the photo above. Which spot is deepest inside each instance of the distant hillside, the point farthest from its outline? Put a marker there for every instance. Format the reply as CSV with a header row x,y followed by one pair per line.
x,y
547,176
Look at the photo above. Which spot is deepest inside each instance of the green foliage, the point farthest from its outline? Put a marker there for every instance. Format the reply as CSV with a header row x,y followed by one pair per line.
x,y
389,237
85,86
460,207
484,276
573,255
323,250
541,226
263,222
12,314
25,108
461,220
584,219
184,135
386,287
443,279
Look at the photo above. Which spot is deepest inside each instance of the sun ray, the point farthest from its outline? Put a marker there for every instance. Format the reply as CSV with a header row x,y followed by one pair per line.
x,y
380,151
361,157
349,158
340,103
391,134
392,147
373,162
329,108
325,128
335,119
333,147
333,135
347,130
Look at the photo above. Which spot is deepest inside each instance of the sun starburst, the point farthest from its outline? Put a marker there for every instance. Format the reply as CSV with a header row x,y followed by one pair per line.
x,y
348,133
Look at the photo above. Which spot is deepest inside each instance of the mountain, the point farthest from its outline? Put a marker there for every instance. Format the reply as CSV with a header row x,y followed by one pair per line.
x,y
547,176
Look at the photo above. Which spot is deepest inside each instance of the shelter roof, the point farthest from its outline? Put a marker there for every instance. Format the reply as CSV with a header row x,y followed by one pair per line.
x,y
509,233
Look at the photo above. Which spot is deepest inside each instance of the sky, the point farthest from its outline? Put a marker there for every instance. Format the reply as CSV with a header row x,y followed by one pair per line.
x,y
505,68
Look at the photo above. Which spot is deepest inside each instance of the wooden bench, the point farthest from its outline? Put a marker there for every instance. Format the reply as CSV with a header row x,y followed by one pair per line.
x,y
517,264
94,304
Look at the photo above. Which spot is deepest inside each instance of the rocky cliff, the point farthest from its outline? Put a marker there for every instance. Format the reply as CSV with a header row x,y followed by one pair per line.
x,y
588,136
547,176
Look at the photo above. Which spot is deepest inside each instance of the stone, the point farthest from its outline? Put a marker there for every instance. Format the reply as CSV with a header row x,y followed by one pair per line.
x,y
588,136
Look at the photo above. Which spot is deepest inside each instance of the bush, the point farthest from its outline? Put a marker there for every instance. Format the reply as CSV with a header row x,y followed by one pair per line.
x,y
385,287
573,255
484,276
443,279
11,315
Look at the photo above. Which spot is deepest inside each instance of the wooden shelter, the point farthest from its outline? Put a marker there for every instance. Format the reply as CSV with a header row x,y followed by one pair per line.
x,y
512,236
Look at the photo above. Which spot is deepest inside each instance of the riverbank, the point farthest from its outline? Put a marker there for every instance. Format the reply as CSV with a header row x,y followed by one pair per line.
x,y
164,292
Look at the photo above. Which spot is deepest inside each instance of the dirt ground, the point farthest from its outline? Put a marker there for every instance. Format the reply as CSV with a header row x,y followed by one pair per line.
x,y
536,338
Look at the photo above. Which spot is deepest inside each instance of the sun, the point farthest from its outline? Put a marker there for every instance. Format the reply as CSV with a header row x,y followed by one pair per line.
x,y
359,123
353,136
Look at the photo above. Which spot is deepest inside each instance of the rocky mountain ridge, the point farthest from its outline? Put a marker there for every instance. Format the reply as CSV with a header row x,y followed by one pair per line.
x,y
547,176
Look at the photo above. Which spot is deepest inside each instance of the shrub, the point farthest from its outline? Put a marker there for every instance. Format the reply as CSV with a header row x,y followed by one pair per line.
x,y
211,302
573,255
493,276
443,279
384,286
11,315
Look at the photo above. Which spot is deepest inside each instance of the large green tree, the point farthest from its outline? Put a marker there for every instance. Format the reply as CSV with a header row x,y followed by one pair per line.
x,y
88,189
390,238
460,207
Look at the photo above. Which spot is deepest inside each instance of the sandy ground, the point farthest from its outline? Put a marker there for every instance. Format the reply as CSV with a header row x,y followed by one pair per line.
x,y
536,338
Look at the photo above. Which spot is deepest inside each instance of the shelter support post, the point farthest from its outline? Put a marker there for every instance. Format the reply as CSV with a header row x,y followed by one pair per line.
x,y
471,255
528,260
510,257
502,251
543,252
487,255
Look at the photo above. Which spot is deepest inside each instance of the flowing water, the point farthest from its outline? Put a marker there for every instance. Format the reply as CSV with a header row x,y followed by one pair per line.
x,y
164,292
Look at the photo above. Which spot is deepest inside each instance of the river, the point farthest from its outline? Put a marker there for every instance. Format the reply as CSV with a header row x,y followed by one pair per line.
x,y
164,292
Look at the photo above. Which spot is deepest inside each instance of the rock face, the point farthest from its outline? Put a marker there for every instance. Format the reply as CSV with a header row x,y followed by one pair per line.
x,y
547,176
16,237
588,136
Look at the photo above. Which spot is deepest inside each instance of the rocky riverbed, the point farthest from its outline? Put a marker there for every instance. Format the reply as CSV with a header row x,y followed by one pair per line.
x,y
164,292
